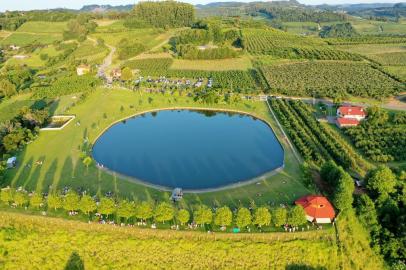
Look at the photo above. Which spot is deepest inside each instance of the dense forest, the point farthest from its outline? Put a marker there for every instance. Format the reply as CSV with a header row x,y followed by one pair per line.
x,y
165,14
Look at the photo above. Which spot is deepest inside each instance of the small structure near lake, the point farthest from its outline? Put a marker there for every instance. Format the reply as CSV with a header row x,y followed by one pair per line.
x,y
11,162
58,122
177,195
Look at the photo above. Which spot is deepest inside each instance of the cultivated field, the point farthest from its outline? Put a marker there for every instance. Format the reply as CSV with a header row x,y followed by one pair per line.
x,y
242,63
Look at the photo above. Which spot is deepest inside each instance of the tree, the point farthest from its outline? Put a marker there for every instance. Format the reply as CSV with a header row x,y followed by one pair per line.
x,y
54,201
87,161
87,204
203,215
223,217
20,198
126,210
296,216
262,217
106,206
71,201
144,211
367,213
183,216
164,212
342,197
7,89
126,74
243,217
381,182
6,195
36,200
279,216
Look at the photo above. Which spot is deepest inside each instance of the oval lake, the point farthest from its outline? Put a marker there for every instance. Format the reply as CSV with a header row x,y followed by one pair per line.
x,y
190,149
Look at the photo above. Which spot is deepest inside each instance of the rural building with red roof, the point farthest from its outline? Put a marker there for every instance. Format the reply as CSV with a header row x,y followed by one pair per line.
x,y
318,209
350,116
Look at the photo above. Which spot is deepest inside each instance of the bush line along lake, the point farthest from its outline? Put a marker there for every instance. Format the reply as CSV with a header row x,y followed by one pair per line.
x,y
191,149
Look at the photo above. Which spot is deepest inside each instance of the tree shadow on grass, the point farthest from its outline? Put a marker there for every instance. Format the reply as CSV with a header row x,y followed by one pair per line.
x,y
75,262
303,267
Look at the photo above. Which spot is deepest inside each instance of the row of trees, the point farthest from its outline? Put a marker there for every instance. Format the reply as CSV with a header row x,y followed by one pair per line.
x,y
382,212
130,211
381,138
192,52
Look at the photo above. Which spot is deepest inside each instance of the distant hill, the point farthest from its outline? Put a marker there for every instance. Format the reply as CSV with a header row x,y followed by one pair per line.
x,y
105,8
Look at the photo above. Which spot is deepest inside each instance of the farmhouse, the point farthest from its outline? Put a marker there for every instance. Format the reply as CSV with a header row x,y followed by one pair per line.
x,y
318,209
82,69
350,116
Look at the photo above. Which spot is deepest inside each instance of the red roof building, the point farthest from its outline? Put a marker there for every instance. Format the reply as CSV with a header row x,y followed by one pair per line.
x,y
318,209
351,112
347,122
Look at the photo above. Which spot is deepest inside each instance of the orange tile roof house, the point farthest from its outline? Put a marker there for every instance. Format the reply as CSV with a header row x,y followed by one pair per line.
x,y
318,209
350,116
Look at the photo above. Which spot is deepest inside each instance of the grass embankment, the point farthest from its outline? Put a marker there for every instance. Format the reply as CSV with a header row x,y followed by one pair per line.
x,y
32,242
60,152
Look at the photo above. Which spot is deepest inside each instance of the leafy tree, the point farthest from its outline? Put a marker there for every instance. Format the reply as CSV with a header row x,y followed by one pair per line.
x,y
7,89
6,195
342,197
203,215
127,74
183,216
36,200
296,216
262,217
376,116
243,218
87,161
20,198
381,182
144,211
54,201
279,216
164,212
87,204
107,206
126,209
71,201
223,216
367,213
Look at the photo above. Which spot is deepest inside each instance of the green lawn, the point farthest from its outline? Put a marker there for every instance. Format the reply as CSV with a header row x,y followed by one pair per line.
x,y
23,39
9,108
42,27
60,151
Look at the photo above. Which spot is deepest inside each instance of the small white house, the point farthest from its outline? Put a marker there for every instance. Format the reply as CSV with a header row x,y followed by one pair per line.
x,y
82,69
177,194
11,162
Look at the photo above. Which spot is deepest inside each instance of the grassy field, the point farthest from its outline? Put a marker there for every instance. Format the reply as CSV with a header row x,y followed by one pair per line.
x,y
9,108
399,71
23,39
34,60
42,27
363,26
60,151
370,49
28,241
242,63
91,52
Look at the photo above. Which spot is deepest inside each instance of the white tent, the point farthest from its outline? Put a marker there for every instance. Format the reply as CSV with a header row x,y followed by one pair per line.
x,y
11,162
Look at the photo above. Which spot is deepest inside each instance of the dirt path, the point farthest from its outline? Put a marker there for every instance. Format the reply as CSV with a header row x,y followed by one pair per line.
x,y
107,61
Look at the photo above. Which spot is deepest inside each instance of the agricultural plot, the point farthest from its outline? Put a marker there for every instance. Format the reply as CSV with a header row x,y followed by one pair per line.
x,y
330,79
285,45
398,71
42,27
105,247
23,39
392,58
34,60
91,52
371,27
242,63
316,143
10,108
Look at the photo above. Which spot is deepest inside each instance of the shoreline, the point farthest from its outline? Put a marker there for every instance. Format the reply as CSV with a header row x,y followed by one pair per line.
x,y
241,183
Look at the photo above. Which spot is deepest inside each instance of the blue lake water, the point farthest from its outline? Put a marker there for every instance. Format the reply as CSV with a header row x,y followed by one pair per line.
x,y
190,149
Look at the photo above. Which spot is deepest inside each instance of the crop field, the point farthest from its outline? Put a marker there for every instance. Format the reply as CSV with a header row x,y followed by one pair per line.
x,y
368,49
61,151
96,246
392,58
34,60
378,27
23,39
330,79
91,52
42,27
9,108
242,63
399,71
